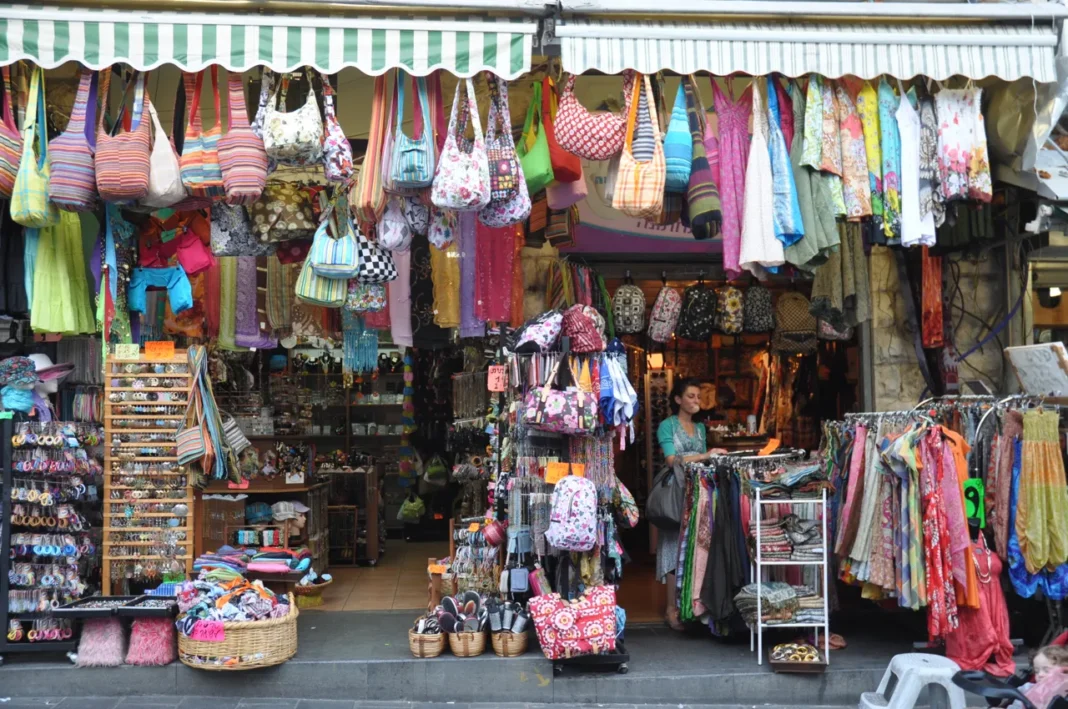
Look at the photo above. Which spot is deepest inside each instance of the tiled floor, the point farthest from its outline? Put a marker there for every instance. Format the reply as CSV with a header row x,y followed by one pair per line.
x,y
397,582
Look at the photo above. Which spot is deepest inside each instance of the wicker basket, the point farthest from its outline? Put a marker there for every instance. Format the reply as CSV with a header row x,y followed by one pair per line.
x,y
310,596
467,644
248,645
426,645
509,644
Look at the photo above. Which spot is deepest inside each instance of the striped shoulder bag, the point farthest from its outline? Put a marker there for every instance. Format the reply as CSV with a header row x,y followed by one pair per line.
x,y
201,172
73,183
122,158
241,155
30,205
10,141
413,158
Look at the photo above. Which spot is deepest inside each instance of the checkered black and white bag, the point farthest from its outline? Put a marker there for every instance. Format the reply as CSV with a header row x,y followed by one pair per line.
x,y
375,263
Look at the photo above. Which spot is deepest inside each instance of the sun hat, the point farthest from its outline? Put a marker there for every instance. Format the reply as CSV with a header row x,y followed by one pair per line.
x,y
18,372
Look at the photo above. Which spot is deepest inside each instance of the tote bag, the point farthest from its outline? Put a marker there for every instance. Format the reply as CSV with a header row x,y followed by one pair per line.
x,y
122,158
500,148
515,207
201,171
337,153
333,253
375,263
533,148
10,141
72,186
593,136
413,158
165,186
678,146
368,199
462,182
183,97
639,189
294,138
30,205
702,192
242,159
316,290
566,166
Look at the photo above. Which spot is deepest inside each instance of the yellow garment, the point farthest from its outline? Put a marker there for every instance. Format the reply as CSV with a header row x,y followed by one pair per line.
x,y
445,272
60,290
1042,506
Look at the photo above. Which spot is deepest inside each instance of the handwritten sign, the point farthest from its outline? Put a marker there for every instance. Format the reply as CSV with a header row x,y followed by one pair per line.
x,y
1041,369
126,352
208,631
773,445
555,472
496,380
159,350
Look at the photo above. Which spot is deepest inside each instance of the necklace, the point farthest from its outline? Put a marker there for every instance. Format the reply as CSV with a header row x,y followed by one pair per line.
x,y
983,577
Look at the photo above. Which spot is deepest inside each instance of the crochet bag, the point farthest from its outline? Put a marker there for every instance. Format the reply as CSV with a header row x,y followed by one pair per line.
x,y
333,253
678,145
122,159
593,136
540,334
462,182
375,264
507,206
394,232
337,152
729,316
30,205
10,141
567,167
573,515
665,314
758,315
73,183
628,308
201,171
231,233
165,186
795,326
585,328
571,412
698,314
533,149
412,163
368,199
586,626
294,138
639,189
242,158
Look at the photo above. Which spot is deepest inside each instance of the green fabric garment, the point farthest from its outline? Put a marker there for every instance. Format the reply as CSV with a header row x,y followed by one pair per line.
x,y
686,597
228,303
817,208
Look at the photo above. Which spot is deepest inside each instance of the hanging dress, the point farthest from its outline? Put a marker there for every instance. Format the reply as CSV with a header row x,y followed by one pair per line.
x,y
817,208
942,615
979,183
890,148
61,292
856,187
982,640
931,202
760,248
1042,509
955,127
789,227
915,231
733,159
870,121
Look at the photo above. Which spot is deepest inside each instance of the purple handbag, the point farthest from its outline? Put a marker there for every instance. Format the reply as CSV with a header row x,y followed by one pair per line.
x,y
570,412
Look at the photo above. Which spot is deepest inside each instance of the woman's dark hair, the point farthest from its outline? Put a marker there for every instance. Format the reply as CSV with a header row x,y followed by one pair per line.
x,y
679,388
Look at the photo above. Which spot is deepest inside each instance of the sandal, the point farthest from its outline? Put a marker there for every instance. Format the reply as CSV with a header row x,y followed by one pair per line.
x,y
672,621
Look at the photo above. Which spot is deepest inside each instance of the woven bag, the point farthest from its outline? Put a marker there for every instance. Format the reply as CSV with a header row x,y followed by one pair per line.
x,y
678,145
703,213
639,189
122,158
333,253
72,186
337,153
191,439
462,182
368,199
10,141
242,158
201,171
233,435
30,205
593,136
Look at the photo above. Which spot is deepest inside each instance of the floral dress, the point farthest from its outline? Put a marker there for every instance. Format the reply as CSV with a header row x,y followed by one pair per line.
x,y
855,185
733,157
956,126
870,121
942,615
891,160
979,185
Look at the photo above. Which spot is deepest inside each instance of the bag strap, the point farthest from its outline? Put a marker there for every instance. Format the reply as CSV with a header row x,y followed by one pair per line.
x,y
632,117
235,102
140,101
9,117
650,104
328,95
422,109
694,109
194,108
181,98
35,111
81,102
129,84
437,110
535,107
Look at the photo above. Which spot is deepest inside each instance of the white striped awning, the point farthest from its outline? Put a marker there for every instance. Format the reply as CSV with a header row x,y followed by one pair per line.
x,y
50,36
938,51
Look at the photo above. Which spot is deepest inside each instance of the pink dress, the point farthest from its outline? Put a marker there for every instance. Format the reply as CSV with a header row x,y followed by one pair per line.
x,y
400,299
733,159
981,642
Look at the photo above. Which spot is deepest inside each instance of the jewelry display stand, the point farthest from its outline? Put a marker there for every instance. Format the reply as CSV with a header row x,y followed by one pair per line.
x,y
148,501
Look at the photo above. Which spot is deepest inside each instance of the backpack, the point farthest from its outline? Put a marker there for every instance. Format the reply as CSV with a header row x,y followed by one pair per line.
x,y
698,315
795,326
573,515
628,306
585,327
729,310
665,314
757,312
540,334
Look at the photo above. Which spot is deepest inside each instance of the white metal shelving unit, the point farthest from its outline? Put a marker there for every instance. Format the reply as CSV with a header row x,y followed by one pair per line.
x,y
756,634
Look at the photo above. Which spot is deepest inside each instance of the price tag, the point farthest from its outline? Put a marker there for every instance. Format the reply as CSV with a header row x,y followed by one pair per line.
x,y
496,380
243,485
127,352
773,445
436,569
209,631
474,527
159,350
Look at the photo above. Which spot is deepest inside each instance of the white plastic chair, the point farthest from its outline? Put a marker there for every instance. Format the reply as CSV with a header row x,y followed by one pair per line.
x,y
914,671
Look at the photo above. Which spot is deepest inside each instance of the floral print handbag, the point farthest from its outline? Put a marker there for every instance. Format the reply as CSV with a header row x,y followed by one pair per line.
x,y
231,233
462,181
585,626
284,211
294,138
337,153
515,207
571,412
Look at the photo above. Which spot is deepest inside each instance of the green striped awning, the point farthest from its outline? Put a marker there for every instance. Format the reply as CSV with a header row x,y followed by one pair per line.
x,y
50,36
938,51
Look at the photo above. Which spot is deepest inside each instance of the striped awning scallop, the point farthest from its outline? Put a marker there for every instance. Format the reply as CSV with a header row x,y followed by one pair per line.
x,y
50,36
938,51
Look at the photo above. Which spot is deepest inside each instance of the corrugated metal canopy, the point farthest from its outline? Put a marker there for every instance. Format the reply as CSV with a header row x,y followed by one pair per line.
x,y
1007,51
50,36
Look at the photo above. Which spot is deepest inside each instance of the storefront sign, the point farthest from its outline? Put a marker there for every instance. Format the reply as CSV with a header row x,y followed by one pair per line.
x,y
127,352
496,380
159,350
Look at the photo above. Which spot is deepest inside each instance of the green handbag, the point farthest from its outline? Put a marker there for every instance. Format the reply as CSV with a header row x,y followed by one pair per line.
x,y
316,290
533,148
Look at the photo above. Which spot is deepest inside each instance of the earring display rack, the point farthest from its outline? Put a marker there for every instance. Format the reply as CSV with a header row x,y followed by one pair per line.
x,y
146,531
47,551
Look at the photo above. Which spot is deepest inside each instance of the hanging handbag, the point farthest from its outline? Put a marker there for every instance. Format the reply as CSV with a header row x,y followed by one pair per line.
x,y
663,508
242,158
10,141
593,136
337,152
201,171
294,138
678,145
165,186
394,232
283,212
567,167
191,439
267,80
368,199
639,189
233,435
533,148
412,165
462,182
375,264
515,208
444,224
317,290
72,186
417,214
571,412
561,195
30,205
560,227
500,148
122,158
365,298
231,233
702,193
333,252
183,97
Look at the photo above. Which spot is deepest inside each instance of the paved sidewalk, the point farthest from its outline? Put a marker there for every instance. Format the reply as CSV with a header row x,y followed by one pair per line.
x,y
169,702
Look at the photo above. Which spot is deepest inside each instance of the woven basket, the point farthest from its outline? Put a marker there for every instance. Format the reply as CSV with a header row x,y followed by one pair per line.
x,y
310,596
467,644
424,645
248,645
509,644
